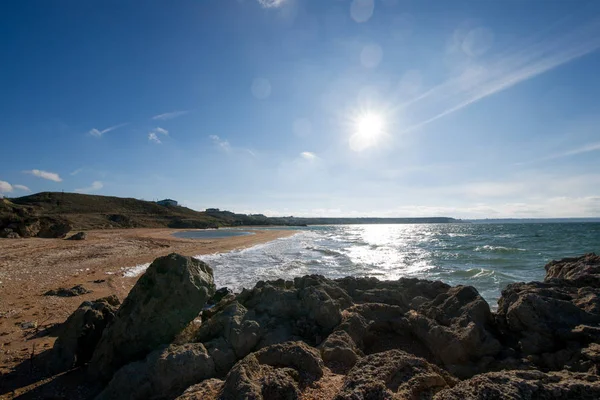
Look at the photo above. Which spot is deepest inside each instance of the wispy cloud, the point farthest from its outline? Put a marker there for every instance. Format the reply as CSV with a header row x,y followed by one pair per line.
x,y
590,147
160,130
222,144
154,133
51,176
271,3
96,185
169,115
78,170
527,61
22,187
98,133
152,137
307,155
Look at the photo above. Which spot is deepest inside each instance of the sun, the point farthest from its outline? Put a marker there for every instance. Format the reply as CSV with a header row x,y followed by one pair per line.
x,y
369,128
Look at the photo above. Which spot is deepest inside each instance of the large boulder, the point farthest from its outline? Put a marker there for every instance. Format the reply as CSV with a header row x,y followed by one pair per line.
x,y
169,295
81,332
525,385
394,374
165,373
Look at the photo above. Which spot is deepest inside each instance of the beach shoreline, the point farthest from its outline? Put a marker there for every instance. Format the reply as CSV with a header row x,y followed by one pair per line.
x,y
30,267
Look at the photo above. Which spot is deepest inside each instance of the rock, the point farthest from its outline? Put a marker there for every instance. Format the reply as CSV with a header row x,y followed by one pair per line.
x,y
77,290
394,374
406,293
275,372
8,233
29,325
579,271
540,317
165,373
340,350
81,332
219,295
169,295
517,385
53,228
78,236
458,328
208,389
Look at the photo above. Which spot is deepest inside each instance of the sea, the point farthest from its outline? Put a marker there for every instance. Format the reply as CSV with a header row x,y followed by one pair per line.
x,y
488,256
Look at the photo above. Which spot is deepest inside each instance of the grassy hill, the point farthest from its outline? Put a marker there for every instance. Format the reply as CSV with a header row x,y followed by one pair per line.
x,y
85,211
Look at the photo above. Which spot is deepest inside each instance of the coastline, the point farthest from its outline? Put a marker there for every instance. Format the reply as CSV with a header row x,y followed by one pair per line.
x,y
30,267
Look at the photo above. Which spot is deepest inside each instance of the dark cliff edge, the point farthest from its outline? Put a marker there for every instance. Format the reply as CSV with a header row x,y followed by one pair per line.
x,y
176,336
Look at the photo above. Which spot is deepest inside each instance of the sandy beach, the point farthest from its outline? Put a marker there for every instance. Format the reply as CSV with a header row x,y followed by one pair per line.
x,y
30,267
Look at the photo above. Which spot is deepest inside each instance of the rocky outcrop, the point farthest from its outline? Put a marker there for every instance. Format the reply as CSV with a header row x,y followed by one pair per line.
x,y
164,300
43,227
394,374
525,385
551,322
81,332
351,338
76,290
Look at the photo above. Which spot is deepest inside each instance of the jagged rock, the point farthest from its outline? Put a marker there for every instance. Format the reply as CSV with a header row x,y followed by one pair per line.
x,y
340,350
205,390
407,293
543,317
219,295
579,271
76,290
81,332
525,385
394,374
169,295
457,326
165,373
273,373
78,236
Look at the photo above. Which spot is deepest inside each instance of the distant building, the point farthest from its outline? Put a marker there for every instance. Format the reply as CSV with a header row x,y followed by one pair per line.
x,y
212,210
166,202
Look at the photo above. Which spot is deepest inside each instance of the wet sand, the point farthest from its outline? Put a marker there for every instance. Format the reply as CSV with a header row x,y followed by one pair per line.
x,y
30,267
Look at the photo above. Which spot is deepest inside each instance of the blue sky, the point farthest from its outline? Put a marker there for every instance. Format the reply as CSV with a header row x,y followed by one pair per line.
x,y
317,107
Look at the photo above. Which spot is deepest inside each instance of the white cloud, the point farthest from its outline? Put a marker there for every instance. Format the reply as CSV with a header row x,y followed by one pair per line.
x,y
271,3
96,185
161,131
51,176
153,138
22,187
307,155
98,133
169,115
222,144
5,187
78,170
530,59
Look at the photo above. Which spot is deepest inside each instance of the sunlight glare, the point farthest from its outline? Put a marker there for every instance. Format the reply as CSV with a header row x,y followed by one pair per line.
x,y
369,128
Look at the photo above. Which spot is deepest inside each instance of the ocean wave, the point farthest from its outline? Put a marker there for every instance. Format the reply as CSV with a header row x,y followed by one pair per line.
x,y
498,249
132,272
325,251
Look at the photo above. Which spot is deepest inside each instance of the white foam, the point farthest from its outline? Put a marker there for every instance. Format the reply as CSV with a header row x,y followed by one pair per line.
x,y
132,272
